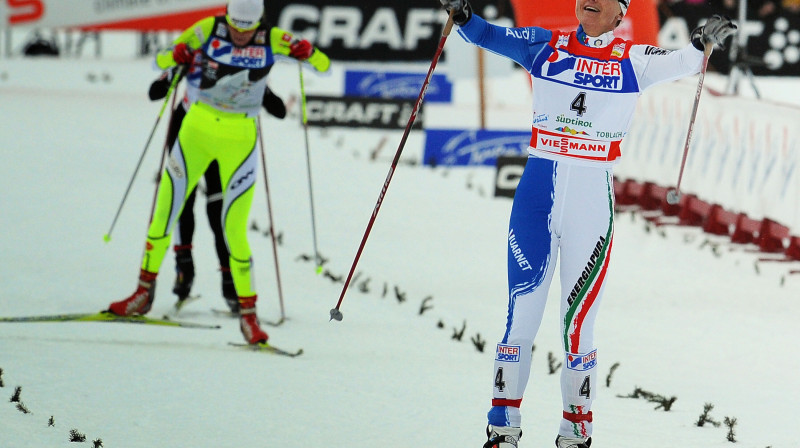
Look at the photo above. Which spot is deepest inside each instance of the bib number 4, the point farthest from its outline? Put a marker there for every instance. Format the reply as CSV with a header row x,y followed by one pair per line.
x,y
579,104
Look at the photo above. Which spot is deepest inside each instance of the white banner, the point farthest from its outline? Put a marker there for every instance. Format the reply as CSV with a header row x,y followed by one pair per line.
x,y
119,14
744,153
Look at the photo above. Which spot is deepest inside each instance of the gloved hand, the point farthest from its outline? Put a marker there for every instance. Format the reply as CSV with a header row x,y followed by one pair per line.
x,y
301,49
463,11
160,87
182,54
273,104
714,32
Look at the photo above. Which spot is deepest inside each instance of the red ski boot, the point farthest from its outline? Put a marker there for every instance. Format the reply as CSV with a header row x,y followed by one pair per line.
x,y
248,321
141,300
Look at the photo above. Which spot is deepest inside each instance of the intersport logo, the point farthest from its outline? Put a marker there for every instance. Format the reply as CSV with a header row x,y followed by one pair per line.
x,y
585,72
249,57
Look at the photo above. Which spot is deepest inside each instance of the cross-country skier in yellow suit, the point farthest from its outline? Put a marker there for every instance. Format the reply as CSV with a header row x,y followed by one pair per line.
x,y
229,57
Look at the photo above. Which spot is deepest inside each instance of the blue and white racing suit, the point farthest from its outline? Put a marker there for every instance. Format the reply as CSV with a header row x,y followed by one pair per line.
x,y
584,95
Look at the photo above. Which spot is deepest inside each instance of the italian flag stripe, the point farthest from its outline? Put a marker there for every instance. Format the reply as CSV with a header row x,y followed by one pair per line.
x,y
585,297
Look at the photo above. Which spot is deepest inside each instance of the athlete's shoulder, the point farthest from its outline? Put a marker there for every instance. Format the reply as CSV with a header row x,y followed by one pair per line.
x,y
280,40
204,27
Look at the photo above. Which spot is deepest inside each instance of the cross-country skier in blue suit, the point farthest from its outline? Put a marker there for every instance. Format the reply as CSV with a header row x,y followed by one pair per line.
x,y
585,87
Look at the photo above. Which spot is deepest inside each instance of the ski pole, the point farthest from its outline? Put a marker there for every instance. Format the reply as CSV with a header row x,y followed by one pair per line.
x,y
335,312
164,152
271,223
107,236
674,196
317,258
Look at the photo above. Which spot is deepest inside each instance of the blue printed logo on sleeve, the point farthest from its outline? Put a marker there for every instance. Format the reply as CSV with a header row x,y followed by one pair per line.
x,y
582,362
507,353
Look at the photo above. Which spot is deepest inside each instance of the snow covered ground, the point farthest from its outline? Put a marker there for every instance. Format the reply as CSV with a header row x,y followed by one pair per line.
x,y
680,321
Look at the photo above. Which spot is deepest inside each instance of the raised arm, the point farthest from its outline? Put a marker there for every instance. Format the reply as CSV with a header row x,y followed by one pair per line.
x,y
517,44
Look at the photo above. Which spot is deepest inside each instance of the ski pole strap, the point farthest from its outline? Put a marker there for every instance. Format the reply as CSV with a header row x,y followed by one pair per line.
x,y
577,418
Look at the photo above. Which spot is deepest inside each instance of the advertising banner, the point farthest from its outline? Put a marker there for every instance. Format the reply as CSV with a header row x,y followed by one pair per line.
x,y
355,30
771,39
380,113
396,85
509,171
364,31
142,15
455,147
640,23
744,153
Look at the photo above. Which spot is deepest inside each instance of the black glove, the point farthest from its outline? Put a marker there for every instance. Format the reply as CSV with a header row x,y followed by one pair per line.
x,y
463,11
714,32
160,87
273,104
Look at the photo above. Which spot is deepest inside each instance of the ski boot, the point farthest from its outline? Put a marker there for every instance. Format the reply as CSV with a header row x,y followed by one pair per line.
x,y
184,268
502,436
569,442
141,300
248,321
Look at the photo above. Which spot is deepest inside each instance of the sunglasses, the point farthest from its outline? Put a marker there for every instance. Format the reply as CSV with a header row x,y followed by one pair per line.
x,y
241,25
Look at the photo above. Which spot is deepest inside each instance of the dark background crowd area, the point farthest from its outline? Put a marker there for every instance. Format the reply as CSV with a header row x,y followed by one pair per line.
x,y
773,52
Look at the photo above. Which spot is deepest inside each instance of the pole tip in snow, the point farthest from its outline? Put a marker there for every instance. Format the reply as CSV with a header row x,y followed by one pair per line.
x,y
336,315
106,237
673,197
319,269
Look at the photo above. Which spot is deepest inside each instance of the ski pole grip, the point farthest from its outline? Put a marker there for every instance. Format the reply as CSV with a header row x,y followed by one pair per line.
x,y
708,47
449,25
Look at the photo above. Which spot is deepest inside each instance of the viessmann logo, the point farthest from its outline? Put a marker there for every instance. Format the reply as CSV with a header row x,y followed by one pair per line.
x,y
568,145
584,72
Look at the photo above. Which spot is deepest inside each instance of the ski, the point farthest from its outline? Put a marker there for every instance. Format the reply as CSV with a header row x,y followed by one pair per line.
x,y
105,316
265,347
224,313
179,304
231,314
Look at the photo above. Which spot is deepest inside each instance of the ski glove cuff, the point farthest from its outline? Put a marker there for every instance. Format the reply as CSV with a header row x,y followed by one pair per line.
x,y
273,104
160,87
